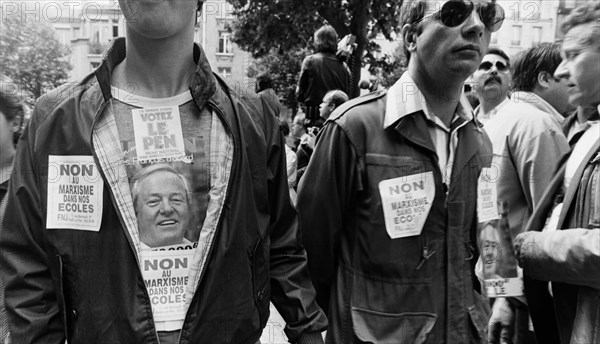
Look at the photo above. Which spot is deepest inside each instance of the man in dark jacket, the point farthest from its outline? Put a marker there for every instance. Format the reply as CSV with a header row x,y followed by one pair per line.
x,y
72,258
389,221
321,72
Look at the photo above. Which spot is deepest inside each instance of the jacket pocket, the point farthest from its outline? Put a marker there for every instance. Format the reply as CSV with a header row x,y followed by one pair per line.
x,y
386,328
260,282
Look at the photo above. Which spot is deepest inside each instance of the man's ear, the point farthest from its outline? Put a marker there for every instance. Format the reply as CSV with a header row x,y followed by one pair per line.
x,y
409,36
543,79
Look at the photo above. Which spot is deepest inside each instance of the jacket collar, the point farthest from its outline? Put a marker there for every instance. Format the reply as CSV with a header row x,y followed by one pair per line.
x,y
405,98
202,86
537,102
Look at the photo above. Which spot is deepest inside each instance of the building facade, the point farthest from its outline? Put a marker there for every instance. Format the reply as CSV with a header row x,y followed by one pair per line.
x,y
88,27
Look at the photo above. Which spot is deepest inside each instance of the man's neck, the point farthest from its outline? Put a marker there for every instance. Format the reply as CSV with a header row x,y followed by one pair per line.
x,y
157,68
487,107
442,96
586,113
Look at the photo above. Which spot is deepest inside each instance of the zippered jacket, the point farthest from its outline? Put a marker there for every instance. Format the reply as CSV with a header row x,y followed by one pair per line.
x,y
87,286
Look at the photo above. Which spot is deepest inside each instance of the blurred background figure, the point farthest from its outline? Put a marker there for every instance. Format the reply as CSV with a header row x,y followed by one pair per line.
x,y
491,82
11,118
330,102
264,89
321,72
290,158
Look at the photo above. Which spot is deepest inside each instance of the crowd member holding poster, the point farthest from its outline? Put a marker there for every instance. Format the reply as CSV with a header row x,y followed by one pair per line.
x,y
528,144
72,249
561,244
389,222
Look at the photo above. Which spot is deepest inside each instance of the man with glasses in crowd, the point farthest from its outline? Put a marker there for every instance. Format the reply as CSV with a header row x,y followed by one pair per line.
x,y
528,144
389,221
491,82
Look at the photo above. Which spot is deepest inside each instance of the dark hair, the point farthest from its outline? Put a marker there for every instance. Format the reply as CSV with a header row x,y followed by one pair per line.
x,y
326,39
264,81
413,11
586,13
544,57
285,128
10,105
499,52
336,97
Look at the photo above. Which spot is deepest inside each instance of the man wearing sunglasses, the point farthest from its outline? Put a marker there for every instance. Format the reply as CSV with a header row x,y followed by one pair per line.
x,y
528,144
562,239
389,221
491,82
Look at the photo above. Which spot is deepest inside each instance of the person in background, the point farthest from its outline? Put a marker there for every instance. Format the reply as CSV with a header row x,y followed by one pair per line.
x,y
71,254
331,101
561,244
291,160
321,72
388,202
11,114
528,145
491,82
264,89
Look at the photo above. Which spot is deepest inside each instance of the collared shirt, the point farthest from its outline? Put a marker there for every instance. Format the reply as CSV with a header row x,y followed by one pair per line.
x,y
484,117
405,98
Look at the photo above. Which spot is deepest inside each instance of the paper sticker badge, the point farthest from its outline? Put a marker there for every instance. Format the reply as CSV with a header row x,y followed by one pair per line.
x,y
487,196
166,276
75,190
158,134
406,203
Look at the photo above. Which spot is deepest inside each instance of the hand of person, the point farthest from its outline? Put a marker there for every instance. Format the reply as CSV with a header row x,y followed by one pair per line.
x,y
501,328
310,139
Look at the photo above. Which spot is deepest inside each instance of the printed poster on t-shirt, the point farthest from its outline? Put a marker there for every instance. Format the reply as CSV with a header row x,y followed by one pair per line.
x,y
158,134
75,190
165,275
406,203
498,266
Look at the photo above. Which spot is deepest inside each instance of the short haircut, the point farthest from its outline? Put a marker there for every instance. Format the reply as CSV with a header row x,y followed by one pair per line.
x,y
413,11
499,52
326,39
544,57
300,119
150,170
264,81
336,97
10,105
584,14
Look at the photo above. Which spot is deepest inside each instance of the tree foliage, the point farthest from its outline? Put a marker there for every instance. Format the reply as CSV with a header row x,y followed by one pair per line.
x,y
266,27
32,56
283,69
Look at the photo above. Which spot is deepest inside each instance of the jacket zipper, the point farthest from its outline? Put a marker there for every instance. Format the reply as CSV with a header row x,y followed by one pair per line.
x,y
112,197
218,111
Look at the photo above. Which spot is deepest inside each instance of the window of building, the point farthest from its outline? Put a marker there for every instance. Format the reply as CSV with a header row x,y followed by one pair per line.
x,y
516,35
225,72
95,65
225,44
537,35
115,30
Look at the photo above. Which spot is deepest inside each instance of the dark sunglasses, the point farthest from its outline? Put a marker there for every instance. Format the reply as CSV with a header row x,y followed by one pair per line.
x,y
487,65
454,13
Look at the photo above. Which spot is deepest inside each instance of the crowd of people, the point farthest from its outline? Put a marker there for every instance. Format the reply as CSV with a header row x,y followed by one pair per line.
x,y
179,213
